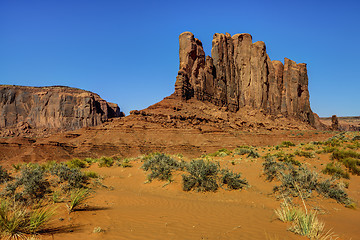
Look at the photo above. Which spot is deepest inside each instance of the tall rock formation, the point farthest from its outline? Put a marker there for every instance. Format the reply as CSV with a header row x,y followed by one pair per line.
x,y
240,73
53,107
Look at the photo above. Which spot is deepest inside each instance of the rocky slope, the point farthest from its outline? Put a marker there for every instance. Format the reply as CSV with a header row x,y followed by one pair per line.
x,y
239,74
32,109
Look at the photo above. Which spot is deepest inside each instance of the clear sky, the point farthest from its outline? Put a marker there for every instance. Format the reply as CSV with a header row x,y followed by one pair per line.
x,y
127,51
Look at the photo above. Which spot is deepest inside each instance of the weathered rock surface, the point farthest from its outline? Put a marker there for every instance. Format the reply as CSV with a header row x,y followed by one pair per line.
x,y
334,123
239,74
62,108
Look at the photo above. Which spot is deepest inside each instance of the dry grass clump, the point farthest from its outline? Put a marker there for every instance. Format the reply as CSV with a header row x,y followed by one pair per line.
x,y
78,198
303,222
18,220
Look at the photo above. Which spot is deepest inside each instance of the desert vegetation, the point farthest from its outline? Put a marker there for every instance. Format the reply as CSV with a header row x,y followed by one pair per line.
x,y
32,194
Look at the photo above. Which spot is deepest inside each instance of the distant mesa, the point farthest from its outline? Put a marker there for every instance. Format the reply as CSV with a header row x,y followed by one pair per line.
x,y
24,109
240,73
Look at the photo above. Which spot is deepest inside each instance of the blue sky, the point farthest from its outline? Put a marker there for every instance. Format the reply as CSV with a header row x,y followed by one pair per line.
x,y
127,51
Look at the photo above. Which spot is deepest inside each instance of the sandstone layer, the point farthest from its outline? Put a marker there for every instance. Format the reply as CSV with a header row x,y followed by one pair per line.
x,y
240,73
51,108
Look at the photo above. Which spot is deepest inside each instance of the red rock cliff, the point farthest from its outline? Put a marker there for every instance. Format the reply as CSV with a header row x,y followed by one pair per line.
x,y
55,107
240,73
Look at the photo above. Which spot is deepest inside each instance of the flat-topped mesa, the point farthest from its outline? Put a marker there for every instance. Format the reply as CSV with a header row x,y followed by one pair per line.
x,y
239,74
56,107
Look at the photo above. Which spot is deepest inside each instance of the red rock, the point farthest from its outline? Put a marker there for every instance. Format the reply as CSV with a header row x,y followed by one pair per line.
x,y
239,74
57,107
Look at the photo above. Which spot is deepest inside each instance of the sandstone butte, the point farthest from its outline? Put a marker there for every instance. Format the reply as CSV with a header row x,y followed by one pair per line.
x,y
235,97
27,109
240,73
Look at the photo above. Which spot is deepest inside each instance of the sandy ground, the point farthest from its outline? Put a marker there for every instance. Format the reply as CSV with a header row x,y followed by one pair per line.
x,y
129,208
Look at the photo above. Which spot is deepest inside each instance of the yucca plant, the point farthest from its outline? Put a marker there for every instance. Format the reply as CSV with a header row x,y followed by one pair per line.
x,y
287,212
308,224
77,198
17,221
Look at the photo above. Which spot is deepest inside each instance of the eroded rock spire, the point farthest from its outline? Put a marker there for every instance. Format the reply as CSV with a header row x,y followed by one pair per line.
x,y
240,73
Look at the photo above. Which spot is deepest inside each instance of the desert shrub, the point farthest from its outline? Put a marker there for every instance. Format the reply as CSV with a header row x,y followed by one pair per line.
x,y
4,175
105,162
303,182
91,174
342,154
17,219
31,184
304,154
16,166
354,146
309,147
300,181
221,153
125,163
287,144
202,176
161,166
76,163
250,152
297,181
356,138
327,149
232,180
72,176
272,168
349,159
241,151
287,158
352,164
336,170
332,190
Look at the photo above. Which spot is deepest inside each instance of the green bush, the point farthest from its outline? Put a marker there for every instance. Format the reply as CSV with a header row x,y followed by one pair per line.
x,y
342,154
356,138
221,153
161,166
105,162
287,158
31,183
4,175
72,176
242,151
349,159
76,163
329,189
336,170
232,180
202,176
287,144
272,168
304,154
91,174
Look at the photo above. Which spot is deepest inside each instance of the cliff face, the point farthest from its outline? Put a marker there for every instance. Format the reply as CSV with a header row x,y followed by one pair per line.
x,y
55,107
239,74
